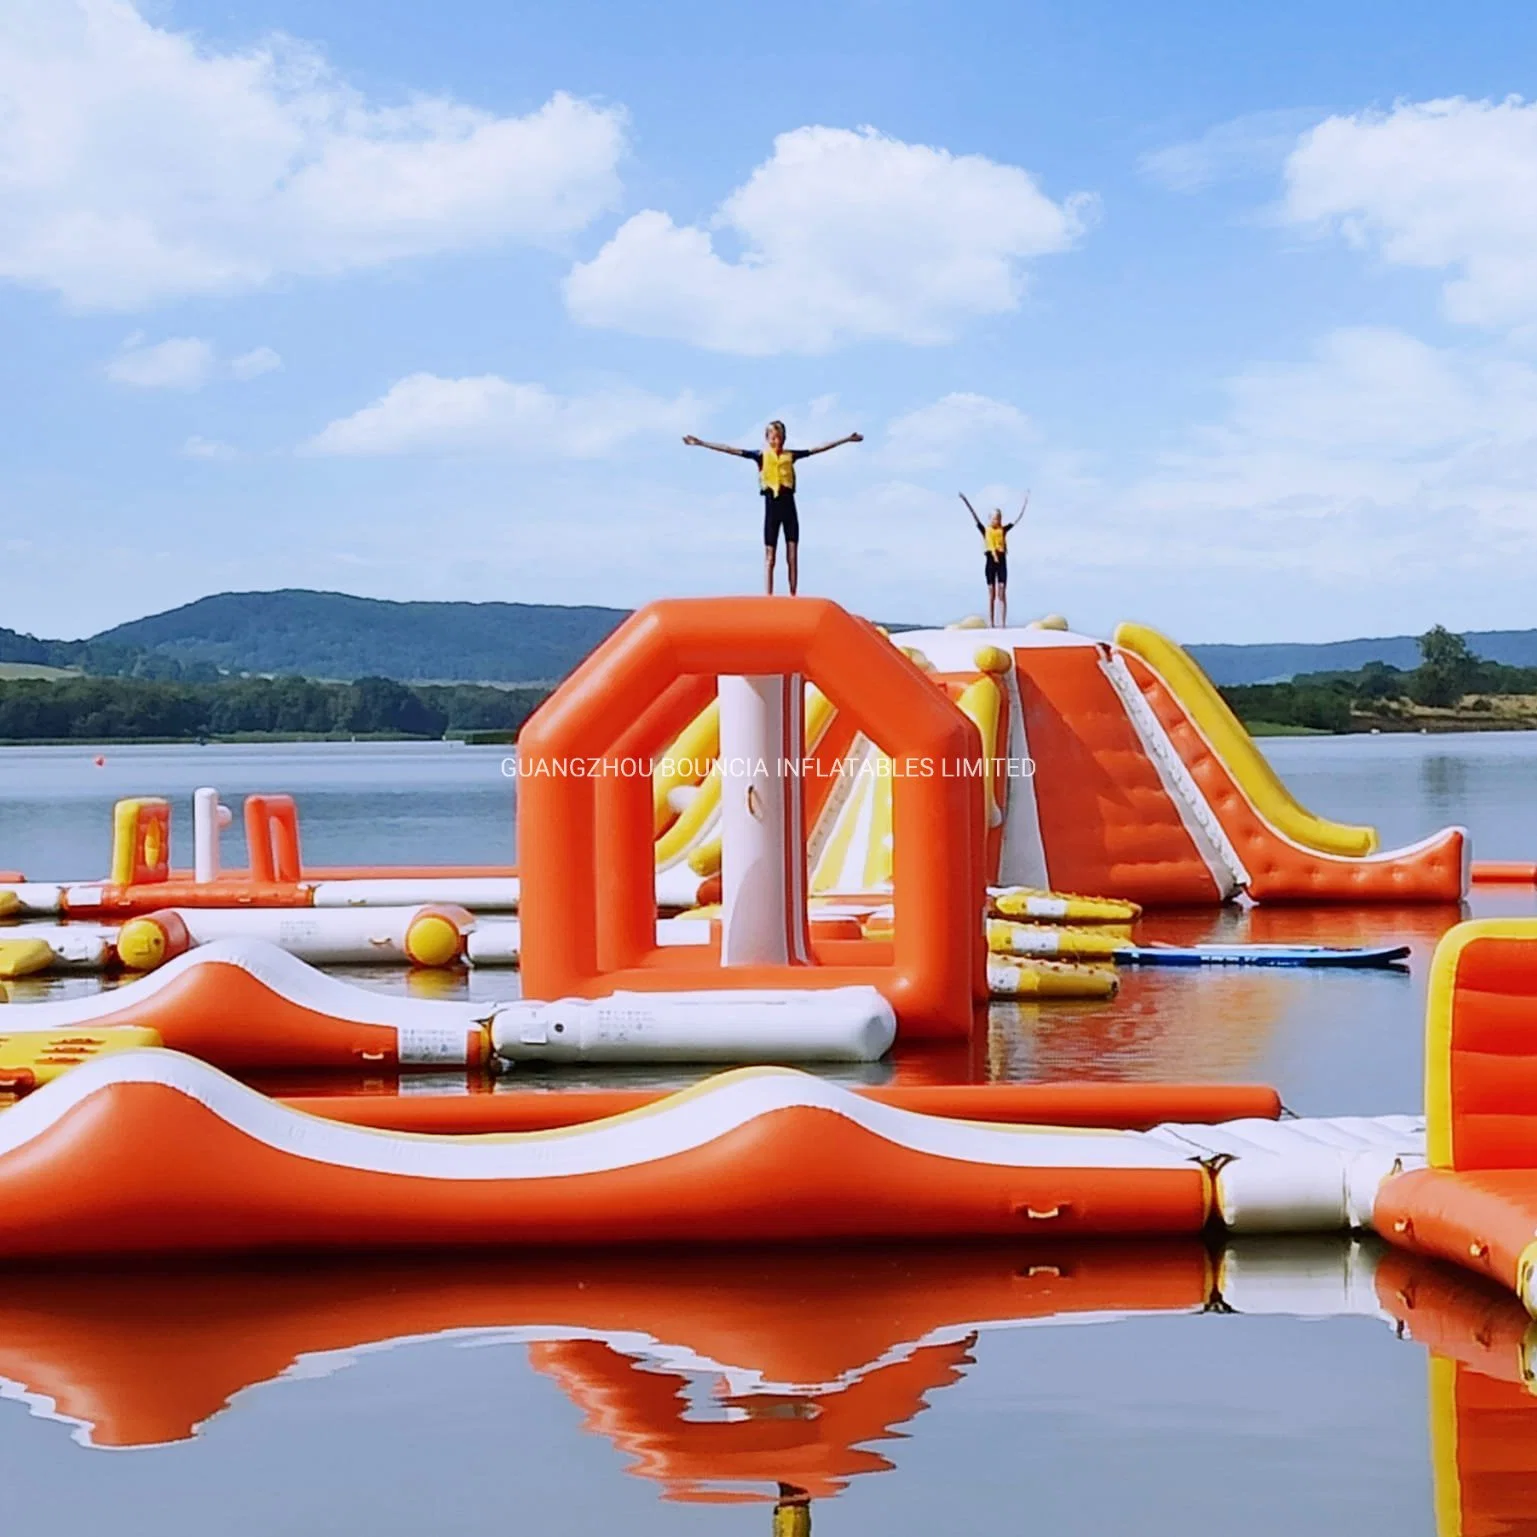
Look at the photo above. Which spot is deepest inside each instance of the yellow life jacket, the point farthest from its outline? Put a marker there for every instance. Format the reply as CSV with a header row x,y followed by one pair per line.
x,y
777,473
995,539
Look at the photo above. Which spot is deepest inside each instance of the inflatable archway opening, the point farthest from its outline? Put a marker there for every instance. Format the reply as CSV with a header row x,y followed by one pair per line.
x,y
586,839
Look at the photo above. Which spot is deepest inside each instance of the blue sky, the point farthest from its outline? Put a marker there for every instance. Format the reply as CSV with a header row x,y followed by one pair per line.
x,y
416,301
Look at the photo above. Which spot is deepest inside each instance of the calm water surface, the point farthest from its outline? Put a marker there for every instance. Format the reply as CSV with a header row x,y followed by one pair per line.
x,y
1080,1390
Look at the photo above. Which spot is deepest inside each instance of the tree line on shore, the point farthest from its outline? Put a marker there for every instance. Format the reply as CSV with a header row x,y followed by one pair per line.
x,y
103,709
1449,672
118,709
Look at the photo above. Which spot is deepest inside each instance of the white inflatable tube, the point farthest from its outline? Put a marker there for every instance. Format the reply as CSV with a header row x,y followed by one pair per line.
x,y
333,937
498,941
479,893
75,946
1302,1175
40,899
842,1024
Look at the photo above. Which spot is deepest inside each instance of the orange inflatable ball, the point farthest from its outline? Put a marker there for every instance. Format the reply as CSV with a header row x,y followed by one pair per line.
x,y
147,942
436,935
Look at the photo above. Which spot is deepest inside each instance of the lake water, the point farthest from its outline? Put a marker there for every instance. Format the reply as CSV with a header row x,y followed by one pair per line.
x,y
1081,1390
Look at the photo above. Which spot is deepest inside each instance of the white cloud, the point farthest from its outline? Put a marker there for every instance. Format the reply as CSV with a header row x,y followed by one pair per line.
x,y
1446,185
208,448
1378,459
137,165
183,363
179,363
259,360
424,413
1243,146
844,236
964,430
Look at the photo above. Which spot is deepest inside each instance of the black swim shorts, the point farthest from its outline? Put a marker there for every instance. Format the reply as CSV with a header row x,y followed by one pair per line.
x,y
779,513
996,568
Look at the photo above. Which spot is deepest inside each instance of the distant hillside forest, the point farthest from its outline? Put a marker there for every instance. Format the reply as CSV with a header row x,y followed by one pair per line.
x,y
123,709
1453,688
331,635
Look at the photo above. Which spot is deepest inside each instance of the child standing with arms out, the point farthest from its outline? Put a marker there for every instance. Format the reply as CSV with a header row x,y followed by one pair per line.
x,y
776,480
995,560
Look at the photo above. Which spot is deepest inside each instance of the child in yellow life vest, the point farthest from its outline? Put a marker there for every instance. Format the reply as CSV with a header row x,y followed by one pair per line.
x,y
776,480
995,560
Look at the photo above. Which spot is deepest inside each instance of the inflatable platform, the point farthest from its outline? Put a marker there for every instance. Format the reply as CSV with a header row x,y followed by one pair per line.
x,y
1108,767
1111,767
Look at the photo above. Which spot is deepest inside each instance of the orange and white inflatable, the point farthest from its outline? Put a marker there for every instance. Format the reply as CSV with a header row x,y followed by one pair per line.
x,y
152,1152
1476,1203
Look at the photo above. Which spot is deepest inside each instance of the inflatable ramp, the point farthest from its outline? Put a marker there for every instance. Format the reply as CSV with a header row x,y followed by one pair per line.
x,y
1109,768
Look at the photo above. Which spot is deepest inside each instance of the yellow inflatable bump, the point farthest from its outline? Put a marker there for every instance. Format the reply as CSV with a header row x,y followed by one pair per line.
x,y
982,703
1060,906
697,744
25,957
970,622
1053,940
993,659
1235,747
676,833
434,939
32,1057
1050,979
1048,622
10,904
705,860
691,822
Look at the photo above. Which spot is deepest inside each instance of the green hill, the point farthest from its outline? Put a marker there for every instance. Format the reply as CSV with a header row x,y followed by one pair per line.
x,y
1228,665
335,635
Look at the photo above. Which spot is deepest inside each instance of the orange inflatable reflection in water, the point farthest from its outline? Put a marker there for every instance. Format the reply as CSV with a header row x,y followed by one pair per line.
x,y
736,1377
757,1369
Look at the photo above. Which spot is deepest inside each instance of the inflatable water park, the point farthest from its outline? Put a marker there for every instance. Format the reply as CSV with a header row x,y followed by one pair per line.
x,y
764,839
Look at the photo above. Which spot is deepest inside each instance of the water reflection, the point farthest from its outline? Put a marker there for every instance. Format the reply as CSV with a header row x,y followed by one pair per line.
x,y
1444,781
752,1377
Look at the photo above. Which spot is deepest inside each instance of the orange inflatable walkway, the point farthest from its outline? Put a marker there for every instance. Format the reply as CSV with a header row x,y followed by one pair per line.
x,y
246,1006
1476,1202
152,1152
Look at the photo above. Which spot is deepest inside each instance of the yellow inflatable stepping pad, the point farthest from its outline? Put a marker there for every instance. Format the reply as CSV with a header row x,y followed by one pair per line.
x,y
24,957
1060,941
1049,979
32,1057
10,904
1060,906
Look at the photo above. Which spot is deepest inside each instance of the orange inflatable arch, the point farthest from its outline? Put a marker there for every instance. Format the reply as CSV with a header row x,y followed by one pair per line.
x,y
586,852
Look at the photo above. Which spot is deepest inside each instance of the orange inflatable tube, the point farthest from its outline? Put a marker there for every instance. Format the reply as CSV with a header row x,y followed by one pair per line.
x,y
246,1009
1127,1106
161,1154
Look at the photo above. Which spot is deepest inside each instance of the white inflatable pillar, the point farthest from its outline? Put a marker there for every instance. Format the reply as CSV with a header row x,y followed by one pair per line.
x,y
763,838
209,819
